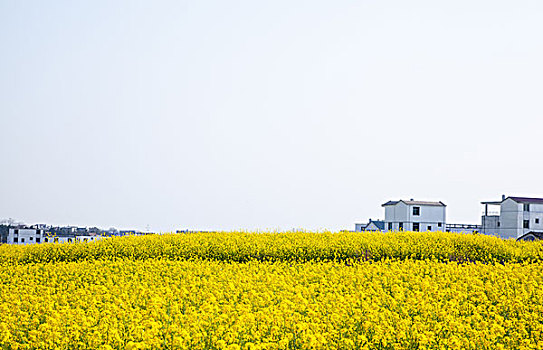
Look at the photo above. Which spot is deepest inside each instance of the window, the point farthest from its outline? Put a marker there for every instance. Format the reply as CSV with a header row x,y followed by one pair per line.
x,y
537,220
439,224
22,240
31,238
16,231
429,228
389,226
16,240
498,224
526,224
37,239
416,211
526,207
416,226
46,240
400,226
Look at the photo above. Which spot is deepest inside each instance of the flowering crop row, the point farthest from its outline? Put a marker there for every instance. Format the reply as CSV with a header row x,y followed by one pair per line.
x,y
206,304
298,246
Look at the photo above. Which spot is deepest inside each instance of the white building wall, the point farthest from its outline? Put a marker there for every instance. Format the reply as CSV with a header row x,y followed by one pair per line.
x,y
394,214
359,227
430,214
61,239
461,229
87,238
535,217
489,224
511,216
64,239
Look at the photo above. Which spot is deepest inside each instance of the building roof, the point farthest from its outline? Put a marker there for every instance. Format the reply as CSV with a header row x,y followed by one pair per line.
x,y
537,235
379,223
527,200
390,203
492,202
412,202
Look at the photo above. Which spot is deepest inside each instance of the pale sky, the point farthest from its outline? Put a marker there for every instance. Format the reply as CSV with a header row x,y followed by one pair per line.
x,y
265,115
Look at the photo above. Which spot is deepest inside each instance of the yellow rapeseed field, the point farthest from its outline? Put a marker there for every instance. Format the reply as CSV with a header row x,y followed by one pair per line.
x,y
301,290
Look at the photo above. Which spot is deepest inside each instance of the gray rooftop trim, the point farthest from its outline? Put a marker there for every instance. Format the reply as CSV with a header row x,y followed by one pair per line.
x,y
492,202
526,200
421,203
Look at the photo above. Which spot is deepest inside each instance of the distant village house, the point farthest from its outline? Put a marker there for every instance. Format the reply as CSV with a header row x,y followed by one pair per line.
x,y
414,215
514,217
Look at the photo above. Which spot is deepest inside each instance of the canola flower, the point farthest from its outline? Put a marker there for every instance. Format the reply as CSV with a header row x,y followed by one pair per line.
x,y
289,246
161,301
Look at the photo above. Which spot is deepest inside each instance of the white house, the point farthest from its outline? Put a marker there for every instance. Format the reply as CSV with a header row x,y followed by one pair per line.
x,y
414,215
25,235
513,217
373,225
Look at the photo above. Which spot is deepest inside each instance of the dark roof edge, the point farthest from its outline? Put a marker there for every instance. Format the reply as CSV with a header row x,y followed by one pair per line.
x,y
525,199
535,233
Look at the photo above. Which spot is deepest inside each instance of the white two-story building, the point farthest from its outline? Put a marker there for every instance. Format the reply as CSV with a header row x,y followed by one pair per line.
x,y
513,217
414,215
25,236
